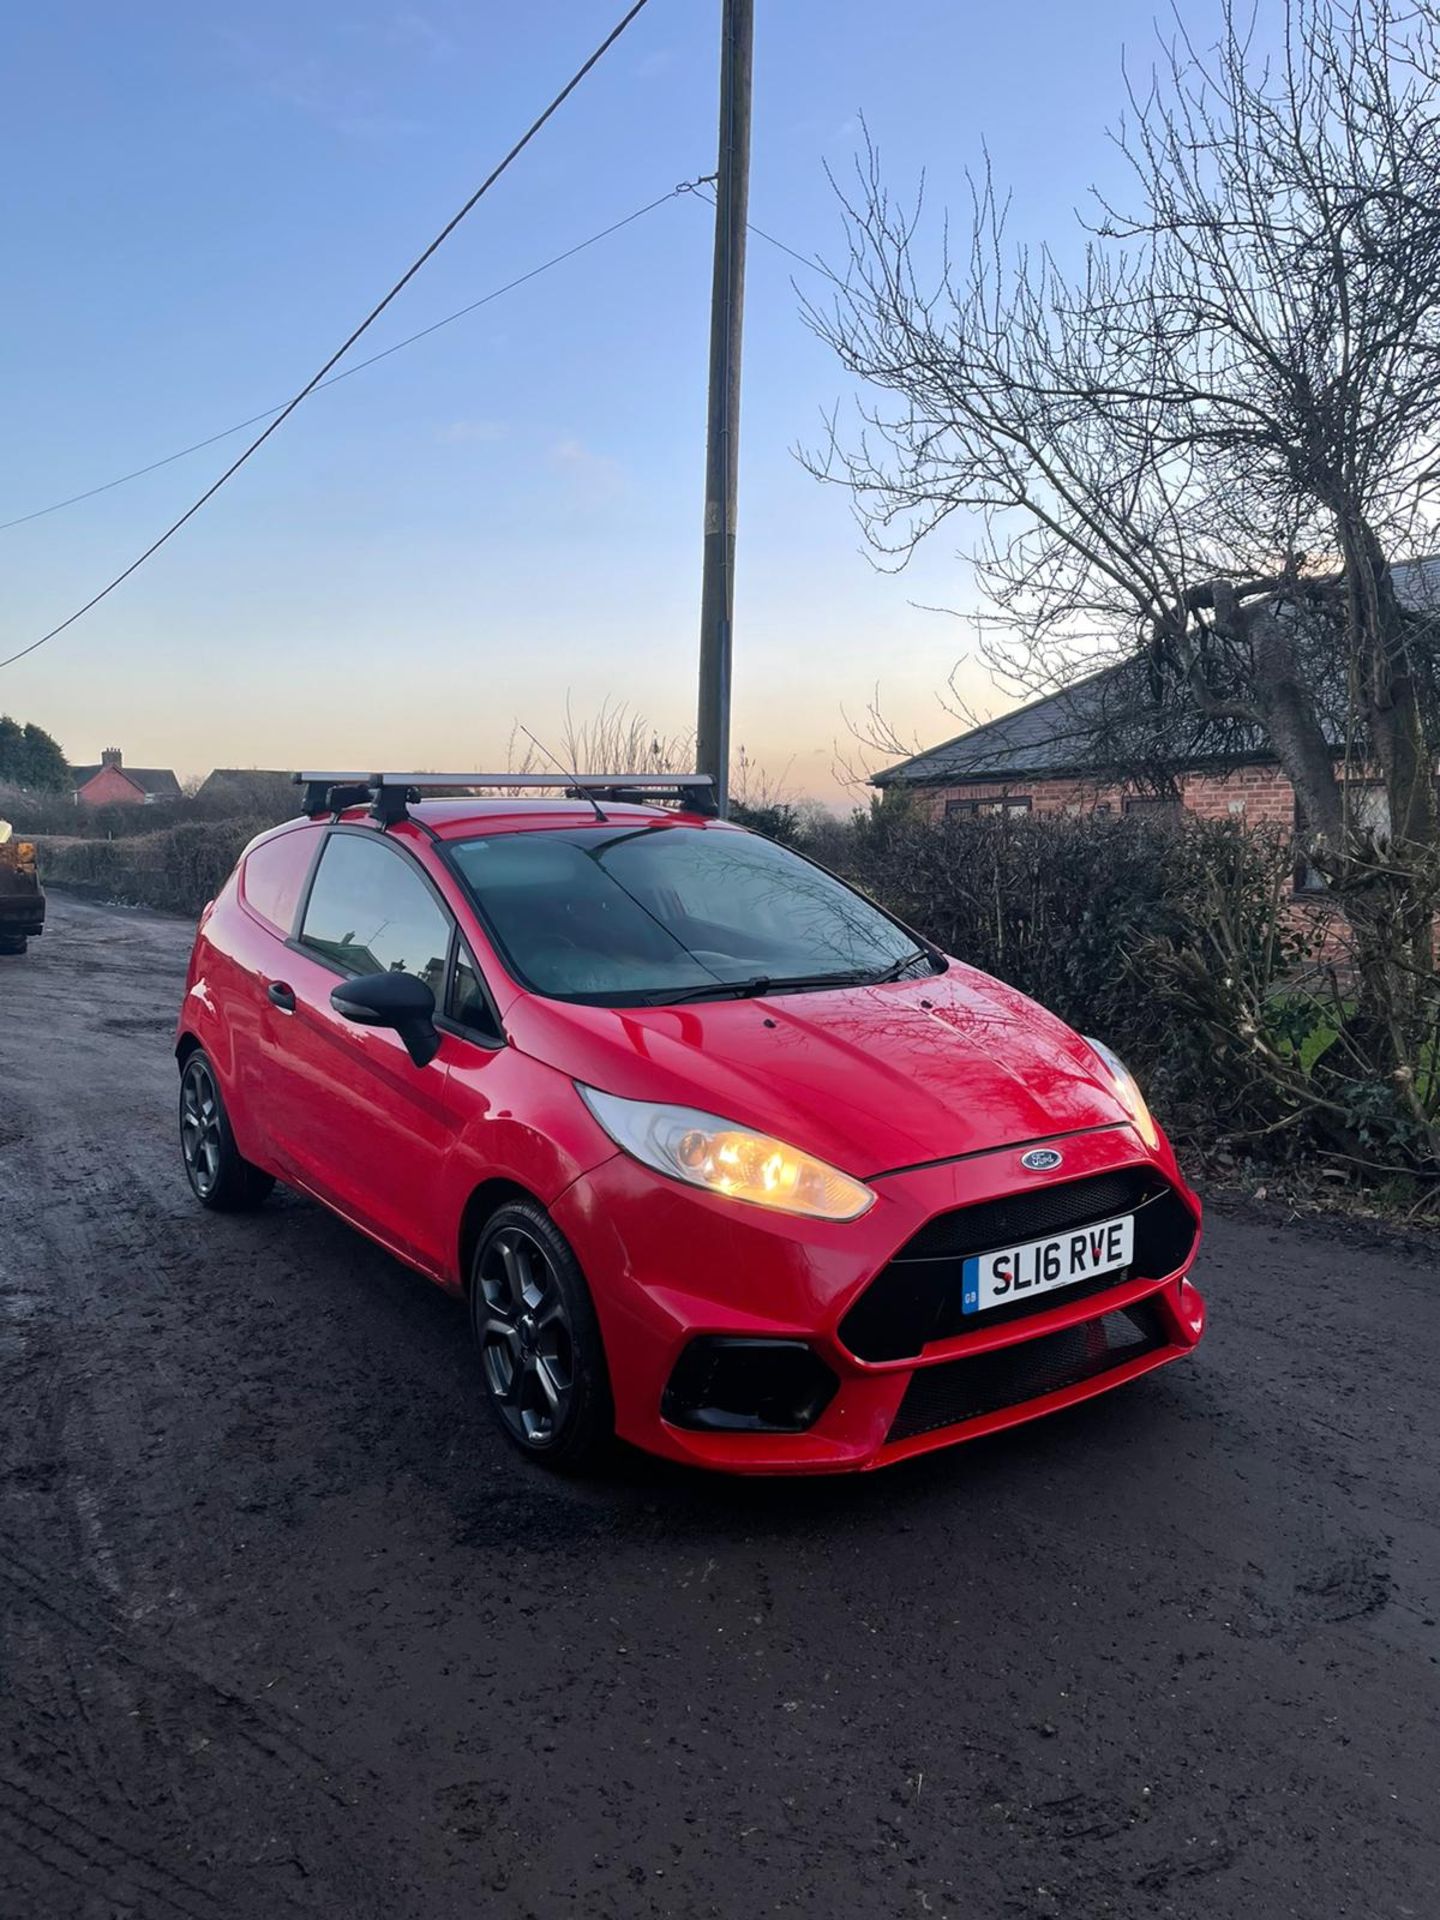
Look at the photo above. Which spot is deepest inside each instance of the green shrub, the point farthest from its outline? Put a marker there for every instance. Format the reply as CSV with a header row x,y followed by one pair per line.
x,y
176,870
1175,941
1093,918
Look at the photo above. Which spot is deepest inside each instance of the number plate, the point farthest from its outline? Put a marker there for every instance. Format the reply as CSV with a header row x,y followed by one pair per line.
x,y
1016,1273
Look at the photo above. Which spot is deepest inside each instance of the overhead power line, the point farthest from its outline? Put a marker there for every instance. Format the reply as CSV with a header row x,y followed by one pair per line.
x,y
340,352
345,373
697,187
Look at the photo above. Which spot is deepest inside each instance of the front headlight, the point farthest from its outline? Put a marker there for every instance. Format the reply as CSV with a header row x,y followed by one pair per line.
x,y
714,1154
1131,1098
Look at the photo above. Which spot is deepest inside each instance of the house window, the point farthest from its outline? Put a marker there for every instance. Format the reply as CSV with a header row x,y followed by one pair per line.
x,y
1368,806
1370,810
1308,879
1008,806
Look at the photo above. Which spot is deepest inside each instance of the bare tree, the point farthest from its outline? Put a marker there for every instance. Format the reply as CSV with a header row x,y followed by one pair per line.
x,y
618,739
1208,444
614,739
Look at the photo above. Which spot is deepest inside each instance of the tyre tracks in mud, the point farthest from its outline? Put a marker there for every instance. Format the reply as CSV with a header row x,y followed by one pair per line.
x,y
132,1774
285,1629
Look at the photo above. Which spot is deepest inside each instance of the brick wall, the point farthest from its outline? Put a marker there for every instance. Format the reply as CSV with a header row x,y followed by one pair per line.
x,y
1261,795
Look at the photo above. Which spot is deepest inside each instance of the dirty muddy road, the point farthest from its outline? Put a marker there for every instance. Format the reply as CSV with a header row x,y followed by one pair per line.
x,y
287,1631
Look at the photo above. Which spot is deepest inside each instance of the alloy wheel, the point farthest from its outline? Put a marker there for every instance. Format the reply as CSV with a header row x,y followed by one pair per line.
x,y
200,1138
526,1341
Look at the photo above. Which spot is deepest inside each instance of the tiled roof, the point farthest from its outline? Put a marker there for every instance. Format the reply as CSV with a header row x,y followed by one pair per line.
x,y
225,780
1058,734
223,776
1050,736
159,781
1418,583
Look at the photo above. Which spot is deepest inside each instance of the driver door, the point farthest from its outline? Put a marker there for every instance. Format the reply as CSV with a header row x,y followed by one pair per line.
x,y
354,1119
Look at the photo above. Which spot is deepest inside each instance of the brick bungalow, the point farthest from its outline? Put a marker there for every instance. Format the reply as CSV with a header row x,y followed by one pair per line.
x,y
1046,758
112,783
1040,759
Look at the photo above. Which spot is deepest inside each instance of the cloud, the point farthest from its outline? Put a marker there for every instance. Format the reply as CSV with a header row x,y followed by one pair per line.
x,y
654,65
336,90
318,91
410,28
595,479
471,432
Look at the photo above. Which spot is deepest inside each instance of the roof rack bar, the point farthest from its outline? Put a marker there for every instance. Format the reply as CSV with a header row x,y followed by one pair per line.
x,y
620,782
327,792
330,792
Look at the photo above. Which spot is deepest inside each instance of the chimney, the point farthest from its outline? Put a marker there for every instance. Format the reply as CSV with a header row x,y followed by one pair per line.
x,y
112,757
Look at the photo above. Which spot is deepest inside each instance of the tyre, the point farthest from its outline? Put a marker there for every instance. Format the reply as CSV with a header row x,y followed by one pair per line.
x,y
541,1355
219,1177
13,943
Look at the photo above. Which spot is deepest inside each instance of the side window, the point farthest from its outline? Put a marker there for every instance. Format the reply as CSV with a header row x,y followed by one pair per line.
x,y
1009,806
469,1004
1368,805
370,912
273,877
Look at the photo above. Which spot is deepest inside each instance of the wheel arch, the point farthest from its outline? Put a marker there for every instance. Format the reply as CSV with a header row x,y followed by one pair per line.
x,y
482,1206
215,1044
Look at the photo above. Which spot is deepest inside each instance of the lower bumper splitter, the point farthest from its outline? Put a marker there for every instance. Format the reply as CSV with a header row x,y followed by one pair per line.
x,y
954,1391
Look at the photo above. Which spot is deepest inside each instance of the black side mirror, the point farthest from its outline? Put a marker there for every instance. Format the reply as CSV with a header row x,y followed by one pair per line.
x,y
395,1000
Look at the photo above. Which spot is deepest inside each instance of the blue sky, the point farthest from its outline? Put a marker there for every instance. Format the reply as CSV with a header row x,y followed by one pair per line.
x,y
200,204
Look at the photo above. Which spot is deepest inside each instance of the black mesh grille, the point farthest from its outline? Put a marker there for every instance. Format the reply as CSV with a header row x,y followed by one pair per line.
x,y
739,1385
1031,1215
916,1298
957,1390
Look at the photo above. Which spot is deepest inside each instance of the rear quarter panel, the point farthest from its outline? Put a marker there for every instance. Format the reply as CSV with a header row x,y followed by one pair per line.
x,y
222,1008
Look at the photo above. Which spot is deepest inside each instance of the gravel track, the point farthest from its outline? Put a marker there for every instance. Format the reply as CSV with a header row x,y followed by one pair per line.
x,y
287,1630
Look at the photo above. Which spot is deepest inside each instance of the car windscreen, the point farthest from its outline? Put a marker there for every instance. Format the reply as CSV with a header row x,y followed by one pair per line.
x,y
638,915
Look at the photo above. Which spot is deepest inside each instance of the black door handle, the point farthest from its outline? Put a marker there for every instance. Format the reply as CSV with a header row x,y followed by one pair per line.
x,y
281,996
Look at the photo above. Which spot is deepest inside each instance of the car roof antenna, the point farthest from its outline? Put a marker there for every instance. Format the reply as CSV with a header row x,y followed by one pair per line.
x,y
571,773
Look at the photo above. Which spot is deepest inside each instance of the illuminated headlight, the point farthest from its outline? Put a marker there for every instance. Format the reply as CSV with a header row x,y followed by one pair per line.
x,y
1129,1092
715,1154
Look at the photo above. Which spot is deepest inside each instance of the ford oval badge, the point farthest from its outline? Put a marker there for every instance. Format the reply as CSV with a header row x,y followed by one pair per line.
x,y
1041,1159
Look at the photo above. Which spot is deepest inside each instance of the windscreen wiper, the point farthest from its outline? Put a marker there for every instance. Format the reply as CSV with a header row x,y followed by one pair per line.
x,y
902,967
779,983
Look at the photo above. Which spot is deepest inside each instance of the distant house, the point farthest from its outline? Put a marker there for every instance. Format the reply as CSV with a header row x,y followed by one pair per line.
x,y
239,790
1069,753
1057,756
112,783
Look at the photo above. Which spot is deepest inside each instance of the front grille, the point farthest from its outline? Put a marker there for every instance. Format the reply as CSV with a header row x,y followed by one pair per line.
x,y
916,1298
956,1390
1032,1215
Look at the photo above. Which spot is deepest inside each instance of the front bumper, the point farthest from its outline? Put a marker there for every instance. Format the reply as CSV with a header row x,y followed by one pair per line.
x,y
670,1266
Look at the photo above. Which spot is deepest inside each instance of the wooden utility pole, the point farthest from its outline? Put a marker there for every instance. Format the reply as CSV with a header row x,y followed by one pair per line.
x,y
722,446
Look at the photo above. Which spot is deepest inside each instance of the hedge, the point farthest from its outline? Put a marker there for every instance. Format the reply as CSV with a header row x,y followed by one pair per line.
x,y
176,870
1174,941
